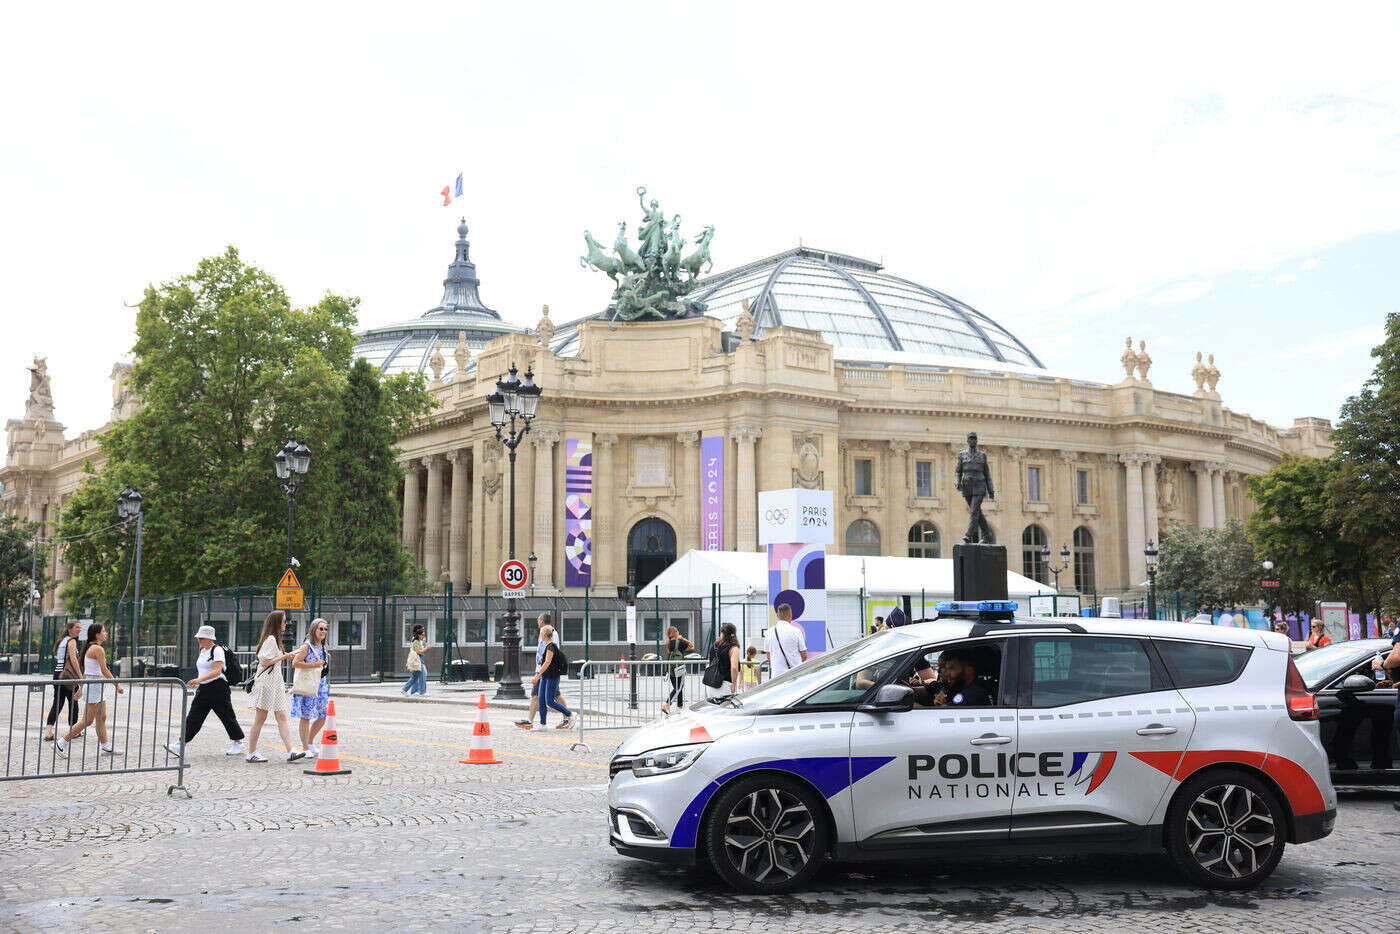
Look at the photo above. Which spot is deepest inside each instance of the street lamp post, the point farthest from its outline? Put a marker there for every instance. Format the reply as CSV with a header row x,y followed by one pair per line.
x,y
1053,568
532,561
128,508
291,463
1268,567
1150,552
512,407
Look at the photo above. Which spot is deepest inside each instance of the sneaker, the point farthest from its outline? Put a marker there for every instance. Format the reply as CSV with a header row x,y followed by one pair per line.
x,y
313,751
235,750
568,722
61,747
109,750
527,725
296,754
255,757
174,748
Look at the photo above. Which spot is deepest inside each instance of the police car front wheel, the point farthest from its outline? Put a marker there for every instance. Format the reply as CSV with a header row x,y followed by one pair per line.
x,y
767,834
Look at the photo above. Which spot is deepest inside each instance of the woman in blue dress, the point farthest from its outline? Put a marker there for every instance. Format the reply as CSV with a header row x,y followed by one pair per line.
x,y
311,709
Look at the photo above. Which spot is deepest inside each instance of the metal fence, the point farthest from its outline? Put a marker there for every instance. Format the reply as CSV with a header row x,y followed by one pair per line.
x,y
623,694
141,717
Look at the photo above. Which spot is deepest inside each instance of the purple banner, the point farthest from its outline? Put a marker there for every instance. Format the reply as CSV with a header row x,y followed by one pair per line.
x,y
712,493
578,512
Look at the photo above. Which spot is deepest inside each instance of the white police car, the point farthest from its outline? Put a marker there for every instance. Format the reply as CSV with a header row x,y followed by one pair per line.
x,y
1101,735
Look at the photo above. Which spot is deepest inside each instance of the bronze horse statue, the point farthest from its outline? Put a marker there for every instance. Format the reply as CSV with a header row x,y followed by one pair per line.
x,y
598,258
700,261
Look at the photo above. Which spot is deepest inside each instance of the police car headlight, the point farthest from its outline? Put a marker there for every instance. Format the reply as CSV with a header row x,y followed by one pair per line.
x,y
668,760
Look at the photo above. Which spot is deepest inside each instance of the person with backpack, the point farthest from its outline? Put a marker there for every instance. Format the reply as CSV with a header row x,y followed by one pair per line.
x,y
722,670
543,620
212,693
553,667
65,668
677,646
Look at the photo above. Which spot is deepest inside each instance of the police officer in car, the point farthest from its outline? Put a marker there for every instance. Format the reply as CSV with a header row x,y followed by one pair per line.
x,y
956,684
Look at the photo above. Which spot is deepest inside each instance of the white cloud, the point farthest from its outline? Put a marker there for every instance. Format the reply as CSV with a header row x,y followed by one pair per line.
x,y
1285,278
1309,264
1180,293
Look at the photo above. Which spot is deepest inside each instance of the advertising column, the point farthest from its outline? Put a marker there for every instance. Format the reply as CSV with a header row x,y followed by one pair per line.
x,y
578,512
797,525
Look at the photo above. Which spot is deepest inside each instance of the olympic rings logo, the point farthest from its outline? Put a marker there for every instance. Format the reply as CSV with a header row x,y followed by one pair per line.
x,y
776,515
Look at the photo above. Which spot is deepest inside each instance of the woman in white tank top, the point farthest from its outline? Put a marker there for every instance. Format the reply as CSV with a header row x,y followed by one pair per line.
x,y
95,708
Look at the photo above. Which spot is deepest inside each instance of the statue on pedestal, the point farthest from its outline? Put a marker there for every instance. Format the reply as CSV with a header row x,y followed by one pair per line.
x,y
653,280
40,402
973,479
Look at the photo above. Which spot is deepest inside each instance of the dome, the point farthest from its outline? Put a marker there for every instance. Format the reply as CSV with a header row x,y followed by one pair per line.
x,y
858,308
408,345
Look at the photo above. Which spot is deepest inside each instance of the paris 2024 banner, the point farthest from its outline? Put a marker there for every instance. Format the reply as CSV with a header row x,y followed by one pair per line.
x,y
796,526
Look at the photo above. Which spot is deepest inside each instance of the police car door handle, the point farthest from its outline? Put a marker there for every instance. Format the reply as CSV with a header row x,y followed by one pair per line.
x,y
991,739
1156,729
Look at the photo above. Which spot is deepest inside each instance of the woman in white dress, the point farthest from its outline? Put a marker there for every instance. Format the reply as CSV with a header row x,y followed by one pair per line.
x,y
269,690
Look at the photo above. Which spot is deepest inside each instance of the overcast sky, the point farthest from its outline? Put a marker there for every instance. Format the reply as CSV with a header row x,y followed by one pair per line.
x,y
1219,177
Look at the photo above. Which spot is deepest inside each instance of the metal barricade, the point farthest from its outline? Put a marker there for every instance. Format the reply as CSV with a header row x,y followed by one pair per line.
x,y
141,720
626,694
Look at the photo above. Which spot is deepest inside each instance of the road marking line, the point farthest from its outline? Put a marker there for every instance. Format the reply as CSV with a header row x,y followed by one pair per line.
x,y
392,765
518,755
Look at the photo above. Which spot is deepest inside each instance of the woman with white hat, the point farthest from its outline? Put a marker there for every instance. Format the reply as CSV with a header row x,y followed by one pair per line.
x,y
212,693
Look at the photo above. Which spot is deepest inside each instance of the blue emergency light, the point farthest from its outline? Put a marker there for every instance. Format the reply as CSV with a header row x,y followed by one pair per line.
x,y
961,607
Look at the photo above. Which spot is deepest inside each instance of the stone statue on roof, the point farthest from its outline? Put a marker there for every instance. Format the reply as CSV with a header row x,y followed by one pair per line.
x,y
40,402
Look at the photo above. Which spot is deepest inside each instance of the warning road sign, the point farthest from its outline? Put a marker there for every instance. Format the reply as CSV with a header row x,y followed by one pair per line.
x,y
290,596
289,579
514,575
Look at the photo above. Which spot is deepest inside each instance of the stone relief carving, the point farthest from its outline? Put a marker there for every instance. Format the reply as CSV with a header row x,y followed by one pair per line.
x,y
1168,486
807,460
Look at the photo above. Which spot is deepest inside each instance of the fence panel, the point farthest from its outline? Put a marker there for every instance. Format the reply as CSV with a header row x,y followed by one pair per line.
x,y
141,719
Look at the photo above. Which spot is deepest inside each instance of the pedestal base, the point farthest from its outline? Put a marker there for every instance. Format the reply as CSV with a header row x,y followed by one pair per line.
x,y
979,572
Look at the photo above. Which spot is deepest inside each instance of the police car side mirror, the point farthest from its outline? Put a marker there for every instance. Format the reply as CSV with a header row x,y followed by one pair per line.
x,y
891,698
1357,683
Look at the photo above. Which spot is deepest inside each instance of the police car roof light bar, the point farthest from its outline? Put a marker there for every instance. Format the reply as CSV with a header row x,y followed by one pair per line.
x,y
977,609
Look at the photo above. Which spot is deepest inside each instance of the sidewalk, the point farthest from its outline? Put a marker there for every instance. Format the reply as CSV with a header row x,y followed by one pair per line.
x,y
463,694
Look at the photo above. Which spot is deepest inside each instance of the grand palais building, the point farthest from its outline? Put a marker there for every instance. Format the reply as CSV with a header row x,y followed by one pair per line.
x,y
810,369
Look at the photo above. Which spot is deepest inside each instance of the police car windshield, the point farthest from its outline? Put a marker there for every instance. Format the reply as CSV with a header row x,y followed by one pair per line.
x,y
786,689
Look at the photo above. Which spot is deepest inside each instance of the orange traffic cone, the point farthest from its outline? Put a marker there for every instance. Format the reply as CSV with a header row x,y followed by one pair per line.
x,y
481,752
622,667
328,763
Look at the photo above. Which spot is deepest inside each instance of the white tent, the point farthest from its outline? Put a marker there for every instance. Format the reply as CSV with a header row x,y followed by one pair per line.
x,y
883,580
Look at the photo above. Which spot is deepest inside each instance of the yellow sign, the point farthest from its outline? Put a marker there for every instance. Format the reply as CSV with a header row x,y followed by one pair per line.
x,y
289,593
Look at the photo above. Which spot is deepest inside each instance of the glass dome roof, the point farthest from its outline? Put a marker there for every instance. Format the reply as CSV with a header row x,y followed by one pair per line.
x,y
857,306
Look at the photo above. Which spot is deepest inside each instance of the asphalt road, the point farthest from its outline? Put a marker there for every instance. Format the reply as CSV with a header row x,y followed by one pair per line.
x,y
414,840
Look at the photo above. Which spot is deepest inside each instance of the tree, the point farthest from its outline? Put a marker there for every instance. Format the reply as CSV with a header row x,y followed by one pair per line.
x,y
1181,559
16,563
1216,565
357,526
226,370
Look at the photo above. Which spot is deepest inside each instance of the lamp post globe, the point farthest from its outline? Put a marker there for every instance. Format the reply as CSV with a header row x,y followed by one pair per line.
x,y
291,463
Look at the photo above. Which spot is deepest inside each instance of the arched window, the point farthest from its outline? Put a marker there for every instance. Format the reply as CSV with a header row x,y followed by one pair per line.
x,y
1033,564
651,549
863,538
923,540
1084,561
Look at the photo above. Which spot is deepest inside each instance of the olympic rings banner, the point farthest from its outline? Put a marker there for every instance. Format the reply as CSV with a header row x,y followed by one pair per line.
x,y
797,525
712,493
578,512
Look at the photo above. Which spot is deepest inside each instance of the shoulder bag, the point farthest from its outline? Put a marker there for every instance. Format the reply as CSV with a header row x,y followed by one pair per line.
x,y
306,681
717,672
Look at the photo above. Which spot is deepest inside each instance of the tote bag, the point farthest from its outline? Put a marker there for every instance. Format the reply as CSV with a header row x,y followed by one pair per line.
x,y
306,681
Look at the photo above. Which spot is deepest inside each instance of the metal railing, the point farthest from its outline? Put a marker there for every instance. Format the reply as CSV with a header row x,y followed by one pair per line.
x,y
630,693
140,720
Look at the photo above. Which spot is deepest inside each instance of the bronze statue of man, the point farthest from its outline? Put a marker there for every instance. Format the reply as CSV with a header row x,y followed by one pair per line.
x,y
973,480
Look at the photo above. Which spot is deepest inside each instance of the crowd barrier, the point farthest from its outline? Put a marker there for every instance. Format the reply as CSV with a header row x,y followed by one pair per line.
x,y
141,721
625,694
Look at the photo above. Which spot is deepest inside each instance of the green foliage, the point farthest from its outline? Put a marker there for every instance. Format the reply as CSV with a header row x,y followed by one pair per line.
x,y
357,514
226,370
1217,565
16,561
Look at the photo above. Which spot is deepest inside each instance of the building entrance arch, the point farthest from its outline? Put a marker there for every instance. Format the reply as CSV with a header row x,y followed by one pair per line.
x,y
651,549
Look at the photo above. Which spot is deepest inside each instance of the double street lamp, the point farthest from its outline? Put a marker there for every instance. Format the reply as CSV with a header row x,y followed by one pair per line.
x,y
1053,568
291,463
1150,552
129,508
512,407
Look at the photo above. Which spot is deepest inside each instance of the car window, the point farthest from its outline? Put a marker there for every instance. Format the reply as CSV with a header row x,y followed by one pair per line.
x,y
815,673
853,686
1317,665
1197,664
1062,670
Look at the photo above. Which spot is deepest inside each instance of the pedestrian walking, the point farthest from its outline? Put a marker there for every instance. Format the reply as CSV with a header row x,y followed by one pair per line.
x,y
94,703
269,690
66,667
212,694
748,673
417,672
311,685
1319,638
551,668
543,620
786,643
722,671
677,646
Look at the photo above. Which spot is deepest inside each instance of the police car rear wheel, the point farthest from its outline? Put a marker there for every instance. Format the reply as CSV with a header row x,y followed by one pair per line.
x,y
1226,830
767,834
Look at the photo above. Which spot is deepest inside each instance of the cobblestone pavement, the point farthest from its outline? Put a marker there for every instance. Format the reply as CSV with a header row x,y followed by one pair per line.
x,y
413,840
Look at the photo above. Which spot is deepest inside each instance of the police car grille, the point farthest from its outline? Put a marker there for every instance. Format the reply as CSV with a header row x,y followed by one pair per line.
x,y
620,764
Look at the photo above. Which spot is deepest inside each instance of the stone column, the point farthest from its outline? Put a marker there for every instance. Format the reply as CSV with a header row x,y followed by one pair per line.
x,y
544,439
457,540
476,555
1205,498
895,538
1217,486
688,491
604,505
432,520
746,509
1137,538
1149,496
410,510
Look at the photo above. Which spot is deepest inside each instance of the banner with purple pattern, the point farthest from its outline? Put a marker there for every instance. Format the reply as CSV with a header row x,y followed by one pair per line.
x,y
712,493
578,512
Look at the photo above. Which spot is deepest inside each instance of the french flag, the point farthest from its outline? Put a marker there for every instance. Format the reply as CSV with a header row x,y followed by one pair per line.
x,y
451,191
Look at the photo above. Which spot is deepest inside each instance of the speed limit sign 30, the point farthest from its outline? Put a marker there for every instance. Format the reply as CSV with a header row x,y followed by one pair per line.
x,y
514,574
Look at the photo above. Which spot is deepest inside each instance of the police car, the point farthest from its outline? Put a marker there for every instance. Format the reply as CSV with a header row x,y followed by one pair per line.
x,y
1100,735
